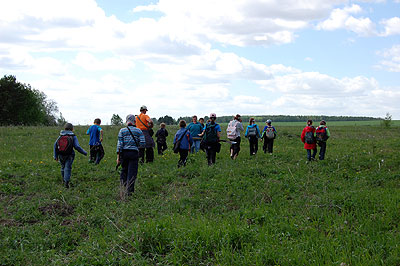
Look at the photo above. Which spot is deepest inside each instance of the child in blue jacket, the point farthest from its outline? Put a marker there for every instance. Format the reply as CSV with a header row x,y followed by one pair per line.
x,y
96,138
64,151
186,141
253,133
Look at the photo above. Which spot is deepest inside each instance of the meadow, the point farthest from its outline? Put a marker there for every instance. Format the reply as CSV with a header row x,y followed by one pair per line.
x,y
260,210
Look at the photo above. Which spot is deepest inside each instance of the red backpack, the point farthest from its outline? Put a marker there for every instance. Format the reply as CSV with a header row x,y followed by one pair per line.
x,y
321,134
65,144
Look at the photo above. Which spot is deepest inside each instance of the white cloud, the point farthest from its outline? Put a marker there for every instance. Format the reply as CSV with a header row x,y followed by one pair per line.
x,y
91,63
342,19
391,60
392,26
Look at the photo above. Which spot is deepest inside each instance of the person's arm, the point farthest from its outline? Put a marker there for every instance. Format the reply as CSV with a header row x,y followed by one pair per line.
x,y
166,133
303,134
77,147
190,138
259,132
142,140
247,130
328,133
55,151
119,146
101,135
88,131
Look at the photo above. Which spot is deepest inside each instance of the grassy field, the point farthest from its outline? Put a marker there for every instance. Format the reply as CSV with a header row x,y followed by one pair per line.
x,y
262,210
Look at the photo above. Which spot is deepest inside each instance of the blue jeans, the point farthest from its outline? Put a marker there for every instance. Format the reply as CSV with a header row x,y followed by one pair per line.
x,y
195,146
309,156
130,165
66,166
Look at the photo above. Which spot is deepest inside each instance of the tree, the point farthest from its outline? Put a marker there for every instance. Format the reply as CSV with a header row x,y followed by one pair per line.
x,y
116,120
387,122
61,120
23,105
168,120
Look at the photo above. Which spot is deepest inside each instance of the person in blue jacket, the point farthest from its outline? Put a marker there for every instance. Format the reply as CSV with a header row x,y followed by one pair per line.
x,y
96,138
64,153
186,141
268,135
195,128
253,134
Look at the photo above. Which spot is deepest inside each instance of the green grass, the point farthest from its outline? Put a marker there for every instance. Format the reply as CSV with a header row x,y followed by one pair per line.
x,y
262,210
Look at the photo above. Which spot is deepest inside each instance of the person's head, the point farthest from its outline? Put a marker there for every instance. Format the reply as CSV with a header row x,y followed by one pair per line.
x,y
269,121
309,122
252,121
130,120
213,117
97,121
323,123
68,126
237,117
201,120
143,109
182,123
194,118
162,125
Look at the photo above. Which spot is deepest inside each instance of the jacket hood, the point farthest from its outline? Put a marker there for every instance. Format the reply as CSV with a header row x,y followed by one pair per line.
x,y
66,133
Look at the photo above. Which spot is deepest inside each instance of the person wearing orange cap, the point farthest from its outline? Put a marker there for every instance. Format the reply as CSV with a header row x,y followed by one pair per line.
x,y
145,124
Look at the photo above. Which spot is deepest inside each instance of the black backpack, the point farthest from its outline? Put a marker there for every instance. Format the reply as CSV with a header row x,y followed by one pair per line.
x,y
211,133
309,137
65,144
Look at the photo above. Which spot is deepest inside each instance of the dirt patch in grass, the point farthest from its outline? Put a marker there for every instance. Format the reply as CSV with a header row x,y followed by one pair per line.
x,y
60,209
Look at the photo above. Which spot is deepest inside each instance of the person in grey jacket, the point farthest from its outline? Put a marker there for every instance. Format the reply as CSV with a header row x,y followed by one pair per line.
x,y
64,151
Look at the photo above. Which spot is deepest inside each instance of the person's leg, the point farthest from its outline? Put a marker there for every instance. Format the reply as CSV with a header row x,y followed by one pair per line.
x,y
197,145
132,170
164,146
308,154
141,154
322,150
255,145
100,154
68,169
159,148
251,146
92,152
213,155
149,155
183,157
193,147
270,145
236,147
314,153
265,145
124,171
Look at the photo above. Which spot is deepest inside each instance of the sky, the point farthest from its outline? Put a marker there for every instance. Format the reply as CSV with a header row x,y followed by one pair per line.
x,y
188,57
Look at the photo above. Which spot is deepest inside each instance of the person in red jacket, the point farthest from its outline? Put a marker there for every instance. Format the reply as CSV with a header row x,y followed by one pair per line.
x,y
308,138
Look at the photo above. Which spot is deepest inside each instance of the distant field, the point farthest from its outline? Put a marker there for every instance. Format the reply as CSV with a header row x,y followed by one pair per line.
x,y
260,210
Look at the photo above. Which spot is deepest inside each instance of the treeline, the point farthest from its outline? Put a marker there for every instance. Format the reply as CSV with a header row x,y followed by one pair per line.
x,y
274,118
23,105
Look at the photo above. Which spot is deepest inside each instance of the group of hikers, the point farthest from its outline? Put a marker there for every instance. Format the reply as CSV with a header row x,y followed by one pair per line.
x,y
136,144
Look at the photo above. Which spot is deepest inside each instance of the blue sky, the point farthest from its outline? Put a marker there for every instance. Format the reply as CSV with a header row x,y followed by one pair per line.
x,y
180,58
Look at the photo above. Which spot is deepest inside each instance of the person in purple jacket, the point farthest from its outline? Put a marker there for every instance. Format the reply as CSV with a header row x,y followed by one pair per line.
x,y
64,151
186,141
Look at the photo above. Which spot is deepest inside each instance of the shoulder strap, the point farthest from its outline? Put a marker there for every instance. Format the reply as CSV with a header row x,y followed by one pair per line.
x,y
137,145
142,122
184,133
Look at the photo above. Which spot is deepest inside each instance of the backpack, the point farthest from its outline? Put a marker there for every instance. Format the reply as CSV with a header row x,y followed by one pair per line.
x,y
161,136
252,131
269,133
231,131
309,137
321,134
65,144
211,133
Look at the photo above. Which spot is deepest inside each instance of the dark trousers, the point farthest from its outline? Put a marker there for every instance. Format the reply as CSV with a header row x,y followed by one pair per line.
x,y
322,150
253,145
268,145
183,154
96,153
235,148
130,160
161,147
149,152
211,152
309,156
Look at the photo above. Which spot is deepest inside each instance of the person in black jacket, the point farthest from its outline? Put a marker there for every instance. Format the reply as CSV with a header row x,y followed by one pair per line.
x,y
161,136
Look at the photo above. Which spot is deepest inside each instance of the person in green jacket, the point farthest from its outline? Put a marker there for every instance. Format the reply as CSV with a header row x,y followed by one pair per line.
x,y
322,134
